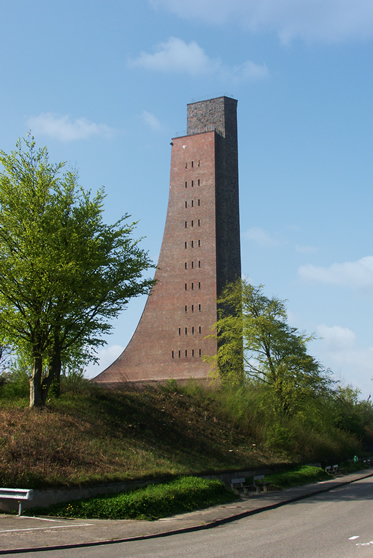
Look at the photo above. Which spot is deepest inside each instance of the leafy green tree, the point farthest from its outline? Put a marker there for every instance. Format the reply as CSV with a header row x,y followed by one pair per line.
x,y
64,273
256,342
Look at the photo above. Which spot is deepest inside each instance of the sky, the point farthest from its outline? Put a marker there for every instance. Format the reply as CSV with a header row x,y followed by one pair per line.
x,y
105,84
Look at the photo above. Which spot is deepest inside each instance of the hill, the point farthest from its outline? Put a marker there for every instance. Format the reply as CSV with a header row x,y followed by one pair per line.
x,y
92,435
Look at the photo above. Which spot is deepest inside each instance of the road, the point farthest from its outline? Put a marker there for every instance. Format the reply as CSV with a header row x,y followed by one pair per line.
x,y
335,524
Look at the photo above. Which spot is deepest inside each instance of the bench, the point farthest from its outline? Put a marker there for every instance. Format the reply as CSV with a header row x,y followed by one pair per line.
x,y
17,494
238,484
333,470
259,483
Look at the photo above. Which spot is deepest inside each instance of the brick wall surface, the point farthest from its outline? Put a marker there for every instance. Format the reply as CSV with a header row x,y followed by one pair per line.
x,y
200,252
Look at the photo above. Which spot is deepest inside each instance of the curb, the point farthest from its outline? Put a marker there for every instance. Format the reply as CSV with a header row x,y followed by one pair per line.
x,y
205,526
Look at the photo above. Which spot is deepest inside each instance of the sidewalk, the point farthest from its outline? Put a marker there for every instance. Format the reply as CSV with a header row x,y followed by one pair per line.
x,y
22,534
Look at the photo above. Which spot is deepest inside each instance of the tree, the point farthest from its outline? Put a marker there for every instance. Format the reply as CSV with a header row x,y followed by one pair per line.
x,y
64,273
256,342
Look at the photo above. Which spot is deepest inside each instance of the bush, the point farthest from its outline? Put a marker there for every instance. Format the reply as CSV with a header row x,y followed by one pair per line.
x,y
297,477
14,385
152,502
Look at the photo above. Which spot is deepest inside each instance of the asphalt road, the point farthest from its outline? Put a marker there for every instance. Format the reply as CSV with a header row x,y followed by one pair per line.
x,y
335,524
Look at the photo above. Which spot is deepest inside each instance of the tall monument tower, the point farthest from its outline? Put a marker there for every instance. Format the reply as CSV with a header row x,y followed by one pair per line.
x,y
200,253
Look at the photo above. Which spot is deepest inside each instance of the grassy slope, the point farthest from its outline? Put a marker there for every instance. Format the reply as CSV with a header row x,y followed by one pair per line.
x,y
99,436
93,435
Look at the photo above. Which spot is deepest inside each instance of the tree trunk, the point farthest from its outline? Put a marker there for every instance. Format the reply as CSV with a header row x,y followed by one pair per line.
x,y
36,399
53,380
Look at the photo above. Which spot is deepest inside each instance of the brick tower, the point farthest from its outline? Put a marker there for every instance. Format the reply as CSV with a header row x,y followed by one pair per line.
x,y
200,253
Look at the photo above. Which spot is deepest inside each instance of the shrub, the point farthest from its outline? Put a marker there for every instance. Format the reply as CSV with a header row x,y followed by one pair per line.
x,y
152,502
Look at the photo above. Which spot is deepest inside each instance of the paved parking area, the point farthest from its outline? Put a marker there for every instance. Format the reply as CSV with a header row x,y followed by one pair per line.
x,y
11,524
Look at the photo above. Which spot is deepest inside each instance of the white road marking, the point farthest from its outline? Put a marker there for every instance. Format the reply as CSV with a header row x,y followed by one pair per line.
x,y
364,544
353,538
43,528
39,518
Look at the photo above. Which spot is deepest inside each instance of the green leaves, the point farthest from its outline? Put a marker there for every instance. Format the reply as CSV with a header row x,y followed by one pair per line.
x,y
273,352
64,273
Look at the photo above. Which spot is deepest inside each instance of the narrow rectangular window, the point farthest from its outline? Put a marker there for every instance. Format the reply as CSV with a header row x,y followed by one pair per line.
x,y
199,202
191,203
192,184
186,265
173,354
199,285
199,263
186,308
186,204
191,223
186,165
199,222
192,286
185,245
199,308
192,352
199,329
192,265
186,184
179,330
186,224
192,330
191,244
186,331
186,353
199,243
192,308
199,352
192,163
199,162
186,286
199,182
179,354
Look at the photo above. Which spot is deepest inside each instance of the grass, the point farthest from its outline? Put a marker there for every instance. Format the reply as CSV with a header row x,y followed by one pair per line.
x,y
98,435
152,502
305,474
91,435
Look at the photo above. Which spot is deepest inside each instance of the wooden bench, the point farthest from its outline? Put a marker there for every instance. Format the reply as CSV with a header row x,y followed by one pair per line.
x,y
17,494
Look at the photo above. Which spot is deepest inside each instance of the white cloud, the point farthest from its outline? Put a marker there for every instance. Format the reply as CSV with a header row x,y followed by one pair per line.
x,y
357,274
150,120
106,356
310,20
65,129
261,237
336,338
176,56
341,352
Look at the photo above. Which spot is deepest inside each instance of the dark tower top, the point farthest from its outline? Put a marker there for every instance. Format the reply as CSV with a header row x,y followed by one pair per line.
x,y
218,114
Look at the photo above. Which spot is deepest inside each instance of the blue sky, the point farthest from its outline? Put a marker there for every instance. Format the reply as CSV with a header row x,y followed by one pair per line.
x,y
105,86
